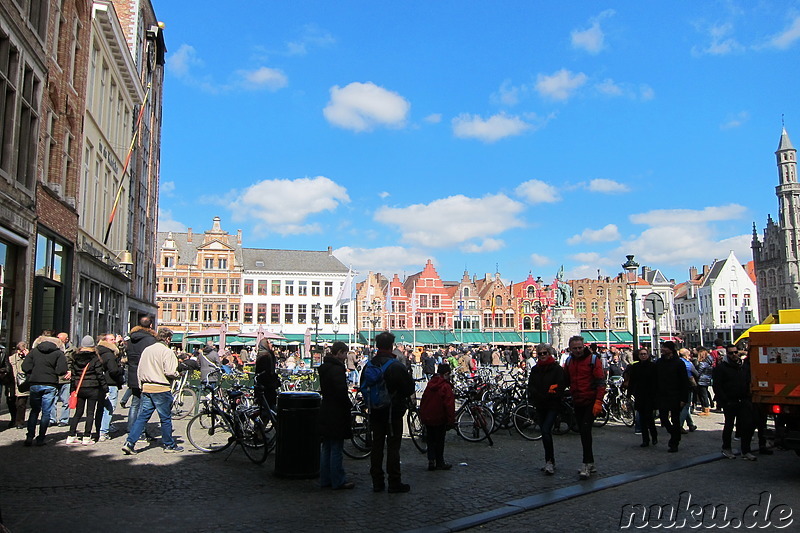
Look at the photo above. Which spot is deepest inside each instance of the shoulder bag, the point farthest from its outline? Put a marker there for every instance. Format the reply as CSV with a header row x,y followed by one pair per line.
x,y
73,396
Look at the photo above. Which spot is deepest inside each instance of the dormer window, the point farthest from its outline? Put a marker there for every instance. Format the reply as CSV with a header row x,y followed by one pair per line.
x,y
169,261
260,264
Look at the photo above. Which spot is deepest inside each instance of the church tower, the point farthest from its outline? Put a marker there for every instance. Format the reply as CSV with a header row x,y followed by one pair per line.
x,y
777,258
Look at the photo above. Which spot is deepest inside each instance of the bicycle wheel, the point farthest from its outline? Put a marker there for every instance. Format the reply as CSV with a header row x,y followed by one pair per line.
x,y
417,431
359,445
183,404
254,440
524,418
210,432
268,422
561,425
474,423
627,413
602,419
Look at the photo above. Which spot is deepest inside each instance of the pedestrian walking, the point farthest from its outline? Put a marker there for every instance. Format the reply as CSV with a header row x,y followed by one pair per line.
x,y
44,365
642,382
88,381
672,391
693,374
545,392
732,393
108,351
334,418
139,338
705,369
437,410
587,383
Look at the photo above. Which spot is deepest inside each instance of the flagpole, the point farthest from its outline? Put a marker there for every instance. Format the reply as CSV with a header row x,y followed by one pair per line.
x,y
608,324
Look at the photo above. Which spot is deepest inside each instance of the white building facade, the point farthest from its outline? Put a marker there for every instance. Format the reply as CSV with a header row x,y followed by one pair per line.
x,y
727,298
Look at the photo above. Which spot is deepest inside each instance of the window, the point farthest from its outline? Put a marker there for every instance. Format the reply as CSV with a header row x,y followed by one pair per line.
x,y
328,317
400,306
722,299
166,312
315,288
735,299
51,259
594,306
435,301
442,321
423,300
234,313
208,285
736,317
222,285
498,301
19,118
194,312
579,292
343,316
248,313
262,287
288,313
583,323
329,289
288,288
235,286
601,292
194,287
207,313
180,312
275,314
169,261
302,288
301,313
429,320
208,263
262,314
181,285
580,306
167,284
223,263
248,287
619,323
275,289
531,291
221,313
748,316
746,299
509,320
723,317
619,307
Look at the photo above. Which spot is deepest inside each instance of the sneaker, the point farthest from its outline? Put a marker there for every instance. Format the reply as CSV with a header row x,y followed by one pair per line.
x,y
72,440
40,441
431,466
592,469
103,437
173,449
692,428
400,488
127,449
87,441
749,457
549,469
585,471
728,453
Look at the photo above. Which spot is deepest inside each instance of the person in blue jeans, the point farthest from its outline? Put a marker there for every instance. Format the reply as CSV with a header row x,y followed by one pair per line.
x,y
44,365
158,368
109,353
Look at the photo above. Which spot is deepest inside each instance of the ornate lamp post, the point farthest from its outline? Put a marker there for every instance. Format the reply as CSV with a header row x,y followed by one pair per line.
x,y
374,308
539,307
315,319
631,267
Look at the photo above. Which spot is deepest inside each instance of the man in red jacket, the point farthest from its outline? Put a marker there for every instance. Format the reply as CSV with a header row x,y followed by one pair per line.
x,y
587,382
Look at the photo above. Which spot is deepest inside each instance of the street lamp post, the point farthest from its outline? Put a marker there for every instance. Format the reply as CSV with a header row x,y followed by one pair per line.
x,y
631,267
374,308
540,308
315,319
335,329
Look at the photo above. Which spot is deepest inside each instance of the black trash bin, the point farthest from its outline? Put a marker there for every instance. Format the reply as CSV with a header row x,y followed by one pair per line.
x,y
297,446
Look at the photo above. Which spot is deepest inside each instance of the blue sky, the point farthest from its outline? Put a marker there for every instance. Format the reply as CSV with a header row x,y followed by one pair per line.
x,y
511,135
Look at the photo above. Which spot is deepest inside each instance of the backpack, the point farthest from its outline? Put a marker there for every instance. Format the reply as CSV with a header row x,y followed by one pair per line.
x,y
373,386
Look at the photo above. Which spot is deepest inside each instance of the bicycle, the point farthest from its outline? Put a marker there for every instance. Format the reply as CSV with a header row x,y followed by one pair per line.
x,y
416,429
359,446
184,398
474,421
566,419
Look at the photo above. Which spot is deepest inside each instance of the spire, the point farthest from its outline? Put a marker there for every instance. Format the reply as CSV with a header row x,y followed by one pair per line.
x,y
785,143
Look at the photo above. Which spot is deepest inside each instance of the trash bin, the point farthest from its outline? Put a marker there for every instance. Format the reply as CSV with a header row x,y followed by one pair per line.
x,y
297,446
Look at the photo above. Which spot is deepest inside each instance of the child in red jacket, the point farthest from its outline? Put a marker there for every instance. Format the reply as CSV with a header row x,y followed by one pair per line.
x,y
437,410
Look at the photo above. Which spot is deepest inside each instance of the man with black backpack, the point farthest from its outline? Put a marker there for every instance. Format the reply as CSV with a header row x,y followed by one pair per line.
x,y
387,387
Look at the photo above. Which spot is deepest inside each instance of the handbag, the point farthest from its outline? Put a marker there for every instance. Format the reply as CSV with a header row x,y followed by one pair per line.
x,y
23,385
73,396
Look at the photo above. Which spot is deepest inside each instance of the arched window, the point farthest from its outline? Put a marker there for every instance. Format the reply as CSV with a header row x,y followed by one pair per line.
x,y
537,323
526,307
601,292
531,291
466,292
526,323
498,301
580,291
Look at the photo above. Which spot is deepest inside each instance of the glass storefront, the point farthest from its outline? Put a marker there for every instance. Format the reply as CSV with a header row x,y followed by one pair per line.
x,y
8,263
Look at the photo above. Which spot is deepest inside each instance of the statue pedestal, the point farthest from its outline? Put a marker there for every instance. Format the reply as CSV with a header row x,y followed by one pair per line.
x,y
563,326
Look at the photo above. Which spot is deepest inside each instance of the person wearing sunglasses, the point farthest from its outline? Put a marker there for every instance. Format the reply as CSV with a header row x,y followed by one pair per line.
x,y
545,391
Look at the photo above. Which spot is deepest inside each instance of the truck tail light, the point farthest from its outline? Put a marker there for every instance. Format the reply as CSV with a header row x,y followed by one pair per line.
x,y
776,409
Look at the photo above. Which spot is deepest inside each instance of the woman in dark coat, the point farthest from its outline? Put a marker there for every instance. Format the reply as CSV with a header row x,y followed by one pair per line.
x,y
545,391
642,384
91,394
334,418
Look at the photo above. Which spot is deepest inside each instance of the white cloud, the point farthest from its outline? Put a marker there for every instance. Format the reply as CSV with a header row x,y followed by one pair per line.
x,y
167,223
586,257
282,206
607,186
166,188
364,106
433,118
540,260
311,36
609,87
685,236
721,43
608,233
584,271
592,39
538,192
453,220
384,259
787,37
490,130
614,89
384,194
689,216
488,245
180,62
507,94
646,92
735,121
263,78
561,85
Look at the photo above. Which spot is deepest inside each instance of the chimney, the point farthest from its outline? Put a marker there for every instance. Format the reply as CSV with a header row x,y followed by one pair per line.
x,y
706,270
330,250
692,273
239,237
189,235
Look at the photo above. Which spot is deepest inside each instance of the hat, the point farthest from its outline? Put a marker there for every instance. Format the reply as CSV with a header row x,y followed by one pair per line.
x,y
444,368
87,342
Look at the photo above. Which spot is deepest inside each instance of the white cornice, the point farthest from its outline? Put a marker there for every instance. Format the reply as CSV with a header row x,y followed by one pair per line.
x,y
105,15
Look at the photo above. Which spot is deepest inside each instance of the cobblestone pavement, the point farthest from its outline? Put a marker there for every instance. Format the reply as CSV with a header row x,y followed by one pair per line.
x,y
67,488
